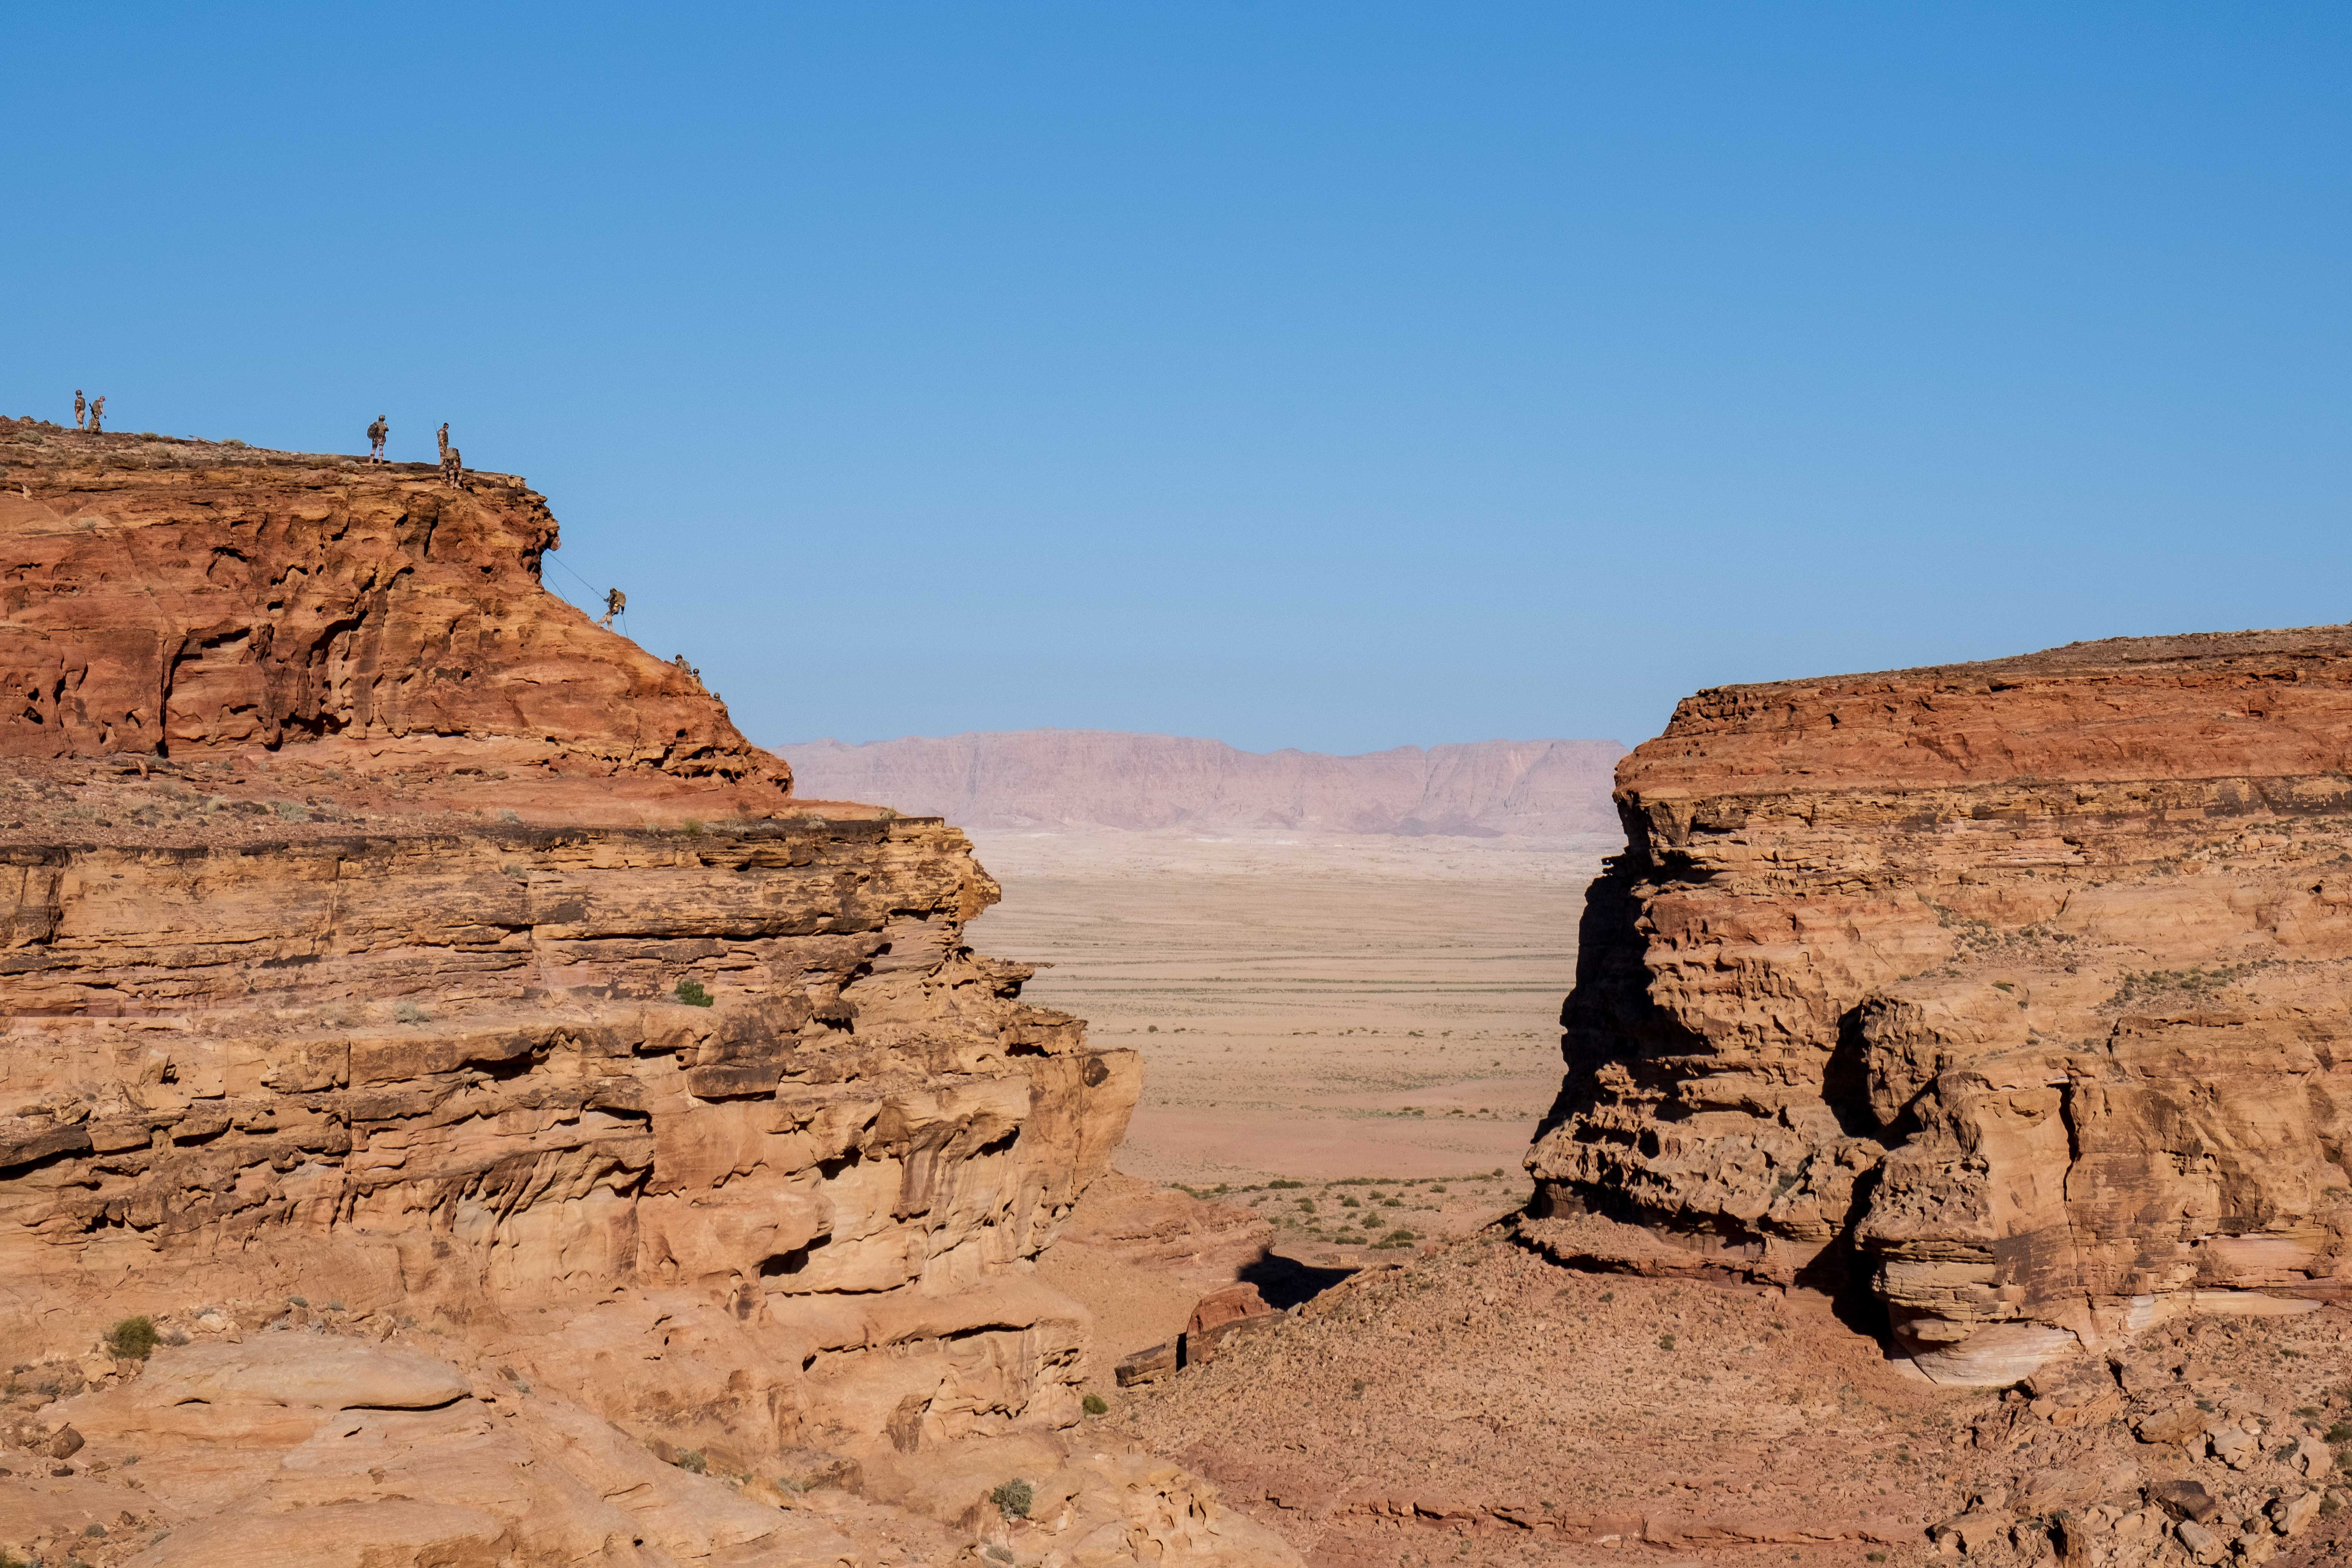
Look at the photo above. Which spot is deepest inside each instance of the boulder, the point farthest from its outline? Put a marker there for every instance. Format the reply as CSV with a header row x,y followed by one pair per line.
x,y
1148,1366
2202,1545
2183,1423
1219,1315
2234,1446
2185,1500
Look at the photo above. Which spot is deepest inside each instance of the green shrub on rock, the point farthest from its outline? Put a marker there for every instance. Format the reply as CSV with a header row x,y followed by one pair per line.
x,y
1012,1498
132,1339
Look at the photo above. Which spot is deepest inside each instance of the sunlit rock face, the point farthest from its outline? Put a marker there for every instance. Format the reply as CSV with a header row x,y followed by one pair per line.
x,y
382,930
2021,987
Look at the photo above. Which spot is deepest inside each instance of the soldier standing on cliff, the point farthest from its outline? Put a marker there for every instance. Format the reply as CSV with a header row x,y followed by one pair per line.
x,y
96,412
441,437
376,432
615,604
81,409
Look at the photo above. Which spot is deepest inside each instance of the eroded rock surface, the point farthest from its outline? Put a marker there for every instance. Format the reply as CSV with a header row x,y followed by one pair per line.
x,y
381,933
2025,981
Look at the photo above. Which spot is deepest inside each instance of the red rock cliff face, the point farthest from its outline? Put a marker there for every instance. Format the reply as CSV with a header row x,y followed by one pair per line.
x,y
364,939
2025,982
186,600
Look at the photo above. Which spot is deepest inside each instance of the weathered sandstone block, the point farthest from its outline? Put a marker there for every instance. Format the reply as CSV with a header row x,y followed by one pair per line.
x,y
2021,984
361,940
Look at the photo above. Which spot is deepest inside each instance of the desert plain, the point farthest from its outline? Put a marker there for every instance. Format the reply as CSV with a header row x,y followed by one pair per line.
x,y
1310,1008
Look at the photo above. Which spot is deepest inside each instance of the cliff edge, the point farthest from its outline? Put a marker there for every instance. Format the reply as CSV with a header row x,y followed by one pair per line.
x,y
2017,988
395,954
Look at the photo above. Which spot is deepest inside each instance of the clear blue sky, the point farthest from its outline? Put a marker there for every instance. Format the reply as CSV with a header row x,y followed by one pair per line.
x,y
1335,375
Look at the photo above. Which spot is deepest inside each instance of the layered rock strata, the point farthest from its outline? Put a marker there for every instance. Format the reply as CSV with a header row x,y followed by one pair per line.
x,y
2019,987
380,929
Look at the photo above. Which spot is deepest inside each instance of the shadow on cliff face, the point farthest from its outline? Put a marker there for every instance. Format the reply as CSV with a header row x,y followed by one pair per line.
x,y
1843,1273
1608,1015
1610,1019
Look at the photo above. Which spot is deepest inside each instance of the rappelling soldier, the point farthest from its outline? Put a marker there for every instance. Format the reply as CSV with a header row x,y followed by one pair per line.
x,y
615,604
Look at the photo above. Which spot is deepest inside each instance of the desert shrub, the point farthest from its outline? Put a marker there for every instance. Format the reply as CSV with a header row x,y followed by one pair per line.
x,y
298,1301
2339,1432
1283,1184
1347,1203
1391,1202
1665,1342
290,811
408,1013
1012,1498
693,1462
1398,1238
691,828
1095,1404
132,1339
691,993
234,442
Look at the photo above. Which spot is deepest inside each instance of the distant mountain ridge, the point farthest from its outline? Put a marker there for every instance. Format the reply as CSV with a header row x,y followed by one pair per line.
x,y
1105,778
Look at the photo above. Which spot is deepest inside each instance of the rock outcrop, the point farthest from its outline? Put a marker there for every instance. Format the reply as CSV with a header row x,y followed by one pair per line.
x,y
1097,778
381,932
2019,987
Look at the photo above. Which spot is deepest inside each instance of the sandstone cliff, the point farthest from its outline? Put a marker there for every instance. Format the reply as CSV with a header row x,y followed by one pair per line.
x,y
381,932
1072,778
2021,987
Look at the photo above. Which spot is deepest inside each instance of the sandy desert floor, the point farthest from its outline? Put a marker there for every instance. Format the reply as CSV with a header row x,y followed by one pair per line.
x,y
1309,1009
